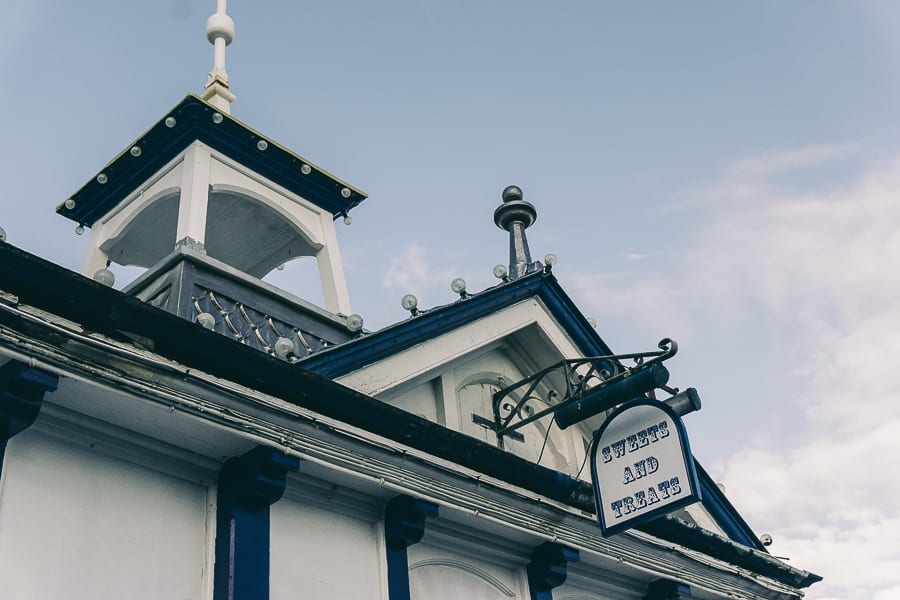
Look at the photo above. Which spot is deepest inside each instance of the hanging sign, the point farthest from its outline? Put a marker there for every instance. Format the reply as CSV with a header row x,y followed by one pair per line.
x,y
642,466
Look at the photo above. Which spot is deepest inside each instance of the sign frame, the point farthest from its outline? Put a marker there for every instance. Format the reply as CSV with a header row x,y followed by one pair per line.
x,y
690,488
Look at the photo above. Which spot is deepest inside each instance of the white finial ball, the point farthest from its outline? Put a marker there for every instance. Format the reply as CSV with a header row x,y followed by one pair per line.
x,y
105,277
206,321
283,347
550,260
2,235
409,302
500,271
354,322
458,285
220,25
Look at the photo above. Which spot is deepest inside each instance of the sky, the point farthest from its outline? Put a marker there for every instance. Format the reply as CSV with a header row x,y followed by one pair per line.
x,y
724,174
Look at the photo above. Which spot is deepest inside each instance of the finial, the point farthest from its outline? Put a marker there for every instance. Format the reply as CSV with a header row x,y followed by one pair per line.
x,y
515,216
220,33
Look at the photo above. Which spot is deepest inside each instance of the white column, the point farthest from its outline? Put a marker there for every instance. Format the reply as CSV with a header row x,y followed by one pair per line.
x,y
194,194
95,258
331,270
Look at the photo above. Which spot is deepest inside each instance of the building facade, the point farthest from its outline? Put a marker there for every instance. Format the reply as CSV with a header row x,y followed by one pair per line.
x,y
200,434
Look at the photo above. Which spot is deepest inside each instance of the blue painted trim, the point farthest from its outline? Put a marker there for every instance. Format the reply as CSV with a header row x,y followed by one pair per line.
x,y
193,121
693,487
548,569
248,485
404,525
22,390
724,513
382,344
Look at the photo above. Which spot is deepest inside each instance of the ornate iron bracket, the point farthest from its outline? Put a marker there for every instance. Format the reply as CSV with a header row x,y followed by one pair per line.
x,y
589,385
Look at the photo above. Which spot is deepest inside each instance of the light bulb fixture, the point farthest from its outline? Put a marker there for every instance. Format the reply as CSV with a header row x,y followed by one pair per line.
x,y
79,230
217,118
283,347
280,267
305,169
501,273
206,321
355,323
345,192
348,220
170,122
550,261
135,151
70,204
410,303
593,322
2,235
262,145
458,286
105,277
102,178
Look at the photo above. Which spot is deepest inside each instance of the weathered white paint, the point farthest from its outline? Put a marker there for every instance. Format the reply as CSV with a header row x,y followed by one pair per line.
x,y
81,525
194,174
442,352
317,554
195,180
446,573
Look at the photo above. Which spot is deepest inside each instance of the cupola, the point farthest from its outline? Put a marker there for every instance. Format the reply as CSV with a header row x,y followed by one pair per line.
x,y
209,206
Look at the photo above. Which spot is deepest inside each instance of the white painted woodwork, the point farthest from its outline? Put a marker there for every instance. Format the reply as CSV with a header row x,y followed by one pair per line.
x,y
81,525
239,216
452,377
317,554
440,573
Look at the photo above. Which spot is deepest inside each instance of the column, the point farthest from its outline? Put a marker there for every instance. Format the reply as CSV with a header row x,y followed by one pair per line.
x,y
248,486
404,525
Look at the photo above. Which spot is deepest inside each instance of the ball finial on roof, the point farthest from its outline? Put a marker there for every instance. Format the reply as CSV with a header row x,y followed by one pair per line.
x,y
512,193
220,25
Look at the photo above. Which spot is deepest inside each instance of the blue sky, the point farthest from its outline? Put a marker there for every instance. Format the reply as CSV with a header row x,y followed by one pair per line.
x,y
725,174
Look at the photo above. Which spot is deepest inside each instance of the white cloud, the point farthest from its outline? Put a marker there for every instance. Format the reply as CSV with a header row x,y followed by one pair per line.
x,y
412,271
780,243
825,266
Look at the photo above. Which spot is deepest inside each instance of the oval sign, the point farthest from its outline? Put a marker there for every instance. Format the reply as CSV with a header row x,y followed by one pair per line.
x,y
642,466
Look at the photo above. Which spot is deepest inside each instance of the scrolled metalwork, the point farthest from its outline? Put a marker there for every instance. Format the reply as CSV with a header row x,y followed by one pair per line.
x,y
578,374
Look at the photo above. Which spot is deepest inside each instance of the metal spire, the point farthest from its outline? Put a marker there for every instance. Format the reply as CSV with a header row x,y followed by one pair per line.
x,y
220,33
515,216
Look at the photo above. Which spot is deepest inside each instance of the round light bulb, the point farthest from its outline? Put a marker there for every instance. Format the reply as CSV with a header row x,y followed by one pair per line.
x,y
305,169
136,151
262,144
102,178
500,271
79,230
70,204
283,347
348,220
345,192
206,321
551,259
409,302
105,277
458,285
2,235
170,122
217,118
593,322
280,267
354,322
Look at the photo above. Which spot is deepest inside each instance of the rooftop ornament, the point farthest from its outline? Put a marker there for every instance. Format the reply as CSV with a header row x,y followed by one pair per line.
x,y
515,216
220,33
